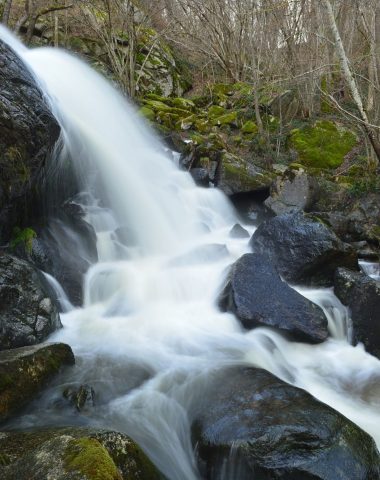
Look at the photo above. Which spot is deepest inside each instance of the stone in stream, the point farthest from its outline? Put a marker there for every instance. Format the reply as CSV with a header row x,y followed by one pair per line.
x,y
303,249
237,231
73,454
255,293
82,398
361,294
25,371
27,313
254,426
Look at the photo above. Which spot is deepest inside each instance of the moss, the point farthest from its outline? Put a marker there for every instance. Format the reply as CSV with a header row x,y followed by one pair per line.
x,y
147,113
216,111
183,103
249,127
23,237
322,145
222,89
226,119
91,459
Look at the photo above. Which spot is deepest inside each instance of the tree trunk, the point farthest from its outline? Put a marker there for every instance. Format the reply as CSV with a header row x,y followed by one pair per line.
x,y
350,78
6,12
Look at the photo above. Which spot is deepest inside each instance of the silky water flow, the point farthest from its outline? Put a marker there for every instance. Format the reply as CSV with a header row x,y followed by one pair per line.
x,y
149,334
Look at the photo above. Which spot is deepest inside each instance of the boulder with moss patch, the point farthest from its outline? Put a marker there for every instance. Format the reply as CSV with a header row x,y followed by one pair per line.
x,y
73,454
239,176
322,145
25,371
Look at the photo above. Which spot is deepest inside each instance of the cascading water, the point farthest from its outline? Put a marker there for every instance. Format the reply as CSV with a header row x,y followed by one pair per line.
x,y
149,333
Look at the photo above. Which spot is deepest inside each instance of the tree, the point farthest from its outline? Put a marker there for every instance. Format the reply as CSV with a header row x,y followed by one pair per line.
x,y
350,79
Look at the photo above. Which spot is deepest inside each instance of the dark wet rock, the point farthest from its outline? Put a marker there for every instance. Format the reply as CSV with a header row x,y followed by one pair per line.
x,y
253,425
256,294
28,132
205,253
73,454
200,176
237,231
27,312
25,371
365,251
82,397
303,249
362,295
65,248
293,192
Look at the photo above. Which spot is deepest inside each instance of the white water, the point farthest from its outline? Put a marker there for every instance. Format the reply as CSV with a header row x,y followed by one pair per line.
x,y
149,334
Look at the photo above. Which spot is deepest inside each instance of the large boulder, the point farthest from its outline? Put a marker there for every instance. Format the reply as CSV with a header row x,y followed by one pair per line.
x,y
293,192
27,312
256,294
253,425
238,176
303,249
28,132
73,454
362,295
25,371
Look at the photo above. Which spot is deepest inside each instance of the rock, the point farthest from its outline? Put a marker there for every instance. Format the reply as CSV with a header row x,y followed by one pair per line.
x,y
27,313
303,249
65,248
294,191
365,251
237,231
253,425
362,295
200,176
240,176
205,253
256,295
25,371
73,454
82,398
28,132
286,105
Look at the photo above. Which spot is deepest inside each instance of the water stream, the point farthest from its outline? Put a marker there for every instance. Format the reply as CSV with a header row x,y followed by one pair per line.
x,y
149,333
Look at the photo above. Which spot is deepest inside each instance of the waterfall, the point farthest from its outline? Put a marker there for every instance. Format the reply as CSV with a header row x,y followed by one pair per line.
x,y
149,333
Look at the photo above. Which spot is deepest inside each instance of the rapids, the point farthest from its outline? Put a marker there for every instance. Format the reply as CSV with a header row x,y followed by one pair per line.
x,y
149,332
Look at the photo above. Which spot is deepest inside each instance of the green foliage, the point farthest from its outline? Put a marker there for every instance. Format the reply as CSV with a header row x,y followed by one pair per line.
x,y
249,127
322,145
23,237
88,457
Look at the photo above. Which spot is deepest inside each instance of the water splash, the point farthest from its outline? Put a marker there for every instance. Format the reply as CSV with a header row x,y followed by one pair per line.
x,y
149,333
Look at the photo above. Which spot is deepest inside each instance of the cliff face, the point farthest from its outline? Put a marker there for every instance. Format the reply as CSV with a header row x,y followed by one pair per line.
x,y
28,132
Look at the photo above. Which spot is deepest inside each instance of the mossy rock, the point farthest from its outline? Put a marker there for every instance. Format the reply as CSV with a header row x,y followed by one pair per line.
x,y
25,371
216,111
322,145
183,103
72,453
147,113
239,176
229,118
222,89
89,458
249,127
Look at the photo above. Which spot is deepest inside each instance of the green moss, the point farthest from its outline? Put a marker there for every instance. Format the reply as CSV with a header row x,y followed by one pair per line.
x,y
222,89
226,119
183,103
216,111
91,459
147,113
249,127
322,145
23,237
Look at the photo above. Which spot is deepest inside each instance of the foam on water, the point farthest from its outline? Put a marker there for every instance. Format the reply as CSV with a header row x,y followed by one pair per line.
x,y
150,333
